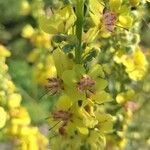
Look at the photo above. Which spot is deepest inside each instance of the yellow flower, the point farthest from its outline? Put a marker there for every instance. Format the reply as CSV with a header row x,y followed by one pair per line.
x,y
14,100
62,62
4,51
105,123
136,65
27,31
11,86
116,14
125,96
123,143
44,70
60,22
18,128
25,8
96,140
3,117
20,116
125,21
41,39
31,139
115,4
119,56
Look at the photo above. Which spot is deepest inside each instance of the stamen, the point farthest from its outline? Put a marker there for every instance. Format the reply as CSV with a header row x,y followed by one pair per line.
x,y
86,84
54,125
109,20
62,115
87,108
62,128
55,85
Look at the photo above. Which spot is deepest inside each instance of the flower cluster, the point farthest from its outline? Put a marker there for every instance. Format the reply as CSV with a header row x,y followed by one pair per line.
x,y
77,111
91,56
135,63
15,121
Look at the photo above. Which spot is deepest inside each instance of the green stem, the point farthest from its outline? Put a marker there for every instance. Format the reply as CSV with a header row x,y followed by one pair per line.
x,y
79,28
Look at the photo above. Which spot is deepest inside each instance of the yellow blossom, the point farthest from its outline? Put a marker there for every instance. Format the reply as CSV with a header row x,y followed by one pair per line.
x,y
44,70
136,65
27,31
125,96
41,39
25,8
14,100
60,22
3,117
19,128
4,51
20,116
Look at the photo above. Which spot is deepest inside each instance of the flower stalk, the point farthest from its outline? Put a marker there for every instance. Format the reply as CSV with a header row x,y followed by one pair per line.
x,y
79,28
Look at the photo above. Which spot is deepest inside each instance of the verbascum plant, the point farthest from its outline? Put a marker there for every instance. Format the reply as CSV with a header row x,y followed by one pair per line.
x,y
77,112
77,116
15,122
95,58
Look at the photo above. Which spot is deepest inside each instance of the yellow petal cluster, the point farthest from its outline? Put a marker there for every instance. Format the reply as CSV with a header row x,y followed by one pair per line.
x,y
3,117
14,118
78,116
135,63
76,112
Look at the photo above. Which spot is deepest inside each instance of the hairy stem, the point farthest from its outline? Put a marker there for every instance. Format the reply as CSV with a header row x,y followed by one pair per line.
x,y
79,28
